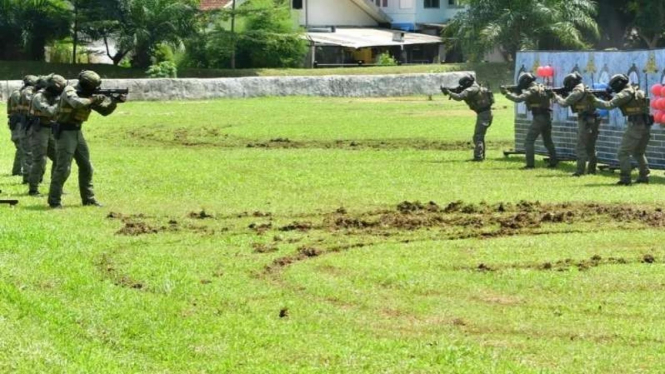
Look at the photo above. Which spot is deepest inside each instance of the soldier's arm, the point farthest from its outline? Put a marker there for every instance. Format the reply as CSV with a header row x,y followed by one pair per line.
x,y
519,98
618,100
575,96
41,104
9,105
106,107
75,101
465,94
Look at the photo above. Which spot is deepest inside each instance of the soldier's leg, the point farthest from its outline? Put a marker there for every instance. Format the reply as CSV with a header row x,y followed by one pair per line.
x,y
582,142
483,122
27,155
546,131
639,153
39,139
591,144
529,144
65,147
50,152
628,144
82,157
18,155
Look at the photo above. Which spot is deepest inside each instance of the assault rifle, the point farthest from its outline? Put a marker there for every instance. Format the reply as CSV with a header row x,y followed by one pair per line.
x,y
116,93
605,93
513,88
445,90
561,91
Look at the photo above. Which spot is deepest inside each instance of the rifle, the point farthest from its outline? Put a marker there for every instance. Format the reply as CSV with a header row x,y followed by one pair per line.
x,y
115,93
458,90
10,202
512,88
561,91
605,94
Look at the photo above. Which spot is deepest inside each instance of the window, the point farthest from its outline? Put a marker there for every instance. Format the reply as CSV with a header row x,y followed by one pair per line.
x,y
297,4
381,3
432,3
454,4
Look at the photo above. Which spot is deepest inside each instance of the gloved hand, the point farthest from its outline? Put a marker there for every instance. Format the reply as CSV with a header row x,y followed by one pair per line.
x,y
503,90
444,90
120,98
98,99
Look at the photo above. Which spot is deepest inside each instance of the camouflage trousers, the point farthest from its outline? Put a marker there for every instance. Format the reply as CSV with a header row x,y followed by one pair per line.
x,y
587,135
43,146
17,167
483,122
71,145
634,143
540,126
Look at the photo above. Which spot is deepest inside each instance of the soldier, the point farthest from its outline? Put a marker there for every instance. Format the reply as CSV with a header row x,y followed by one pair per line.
x,y
15,112
74,107
480,100
27,92
538,101
588,122
42,110
633,104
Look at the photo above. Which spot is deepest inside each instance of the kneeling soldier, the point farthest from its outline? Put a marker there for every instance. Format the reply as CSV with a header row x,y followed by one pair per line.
x,y
74,108
588,122
633,104
480,100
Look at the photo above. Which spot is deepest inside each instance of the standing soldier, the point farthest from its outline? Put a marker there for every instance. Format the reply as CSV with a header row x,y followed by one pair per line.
x,y
24,105
16,119
588,122
480,100
633,104
75,105
538,102
42,110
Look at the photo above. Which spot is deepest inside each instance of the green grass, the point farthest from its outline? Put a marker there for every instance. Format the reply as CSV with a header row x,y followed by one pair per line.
x,y
406,293
493,73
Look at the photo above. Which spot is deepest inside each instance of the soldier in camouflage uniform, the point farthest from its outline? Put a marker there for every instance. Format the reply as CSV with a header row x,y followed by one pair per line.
x,y
633,104
538,102
24,105
588,122
480,100
75,105
16,113
43,109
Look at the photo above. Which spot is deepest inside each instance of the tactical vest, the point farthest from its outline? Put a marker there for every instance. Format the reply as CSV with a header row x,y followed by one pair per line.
x,y
539,99
638,105
584,105
482,101
67,114
24,101
13,105
44,118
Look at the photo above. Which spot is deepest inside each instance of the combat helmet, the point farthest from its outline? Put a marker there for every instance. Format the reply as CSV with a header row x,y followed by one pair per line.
x,y
525,80
42,81
56,84
89,80
618,82
571,80
30,80
466,81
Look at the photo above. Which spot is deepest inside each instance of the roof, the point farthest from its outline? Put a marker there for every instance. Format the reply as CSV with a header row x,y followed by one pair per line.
x,y
369,37
213,4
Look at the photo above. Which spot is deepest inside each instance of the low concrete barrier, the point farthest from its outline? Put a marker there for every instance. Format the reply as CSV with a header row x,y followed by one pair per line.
x,y
327,86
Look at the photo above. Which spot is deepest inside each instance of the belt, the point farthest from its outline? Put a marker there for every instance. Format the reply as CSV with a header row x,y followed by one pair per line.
x,y
69,127
484,109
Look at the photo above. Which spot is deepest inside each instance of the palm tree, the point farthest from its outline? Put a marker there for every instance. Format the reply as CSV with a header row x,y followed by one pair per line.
x,y
516,25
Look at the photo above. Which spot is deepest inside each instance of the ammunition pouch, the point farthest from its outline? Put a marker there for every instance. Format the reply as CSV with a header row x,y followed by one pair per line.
x,y
58,128
14,120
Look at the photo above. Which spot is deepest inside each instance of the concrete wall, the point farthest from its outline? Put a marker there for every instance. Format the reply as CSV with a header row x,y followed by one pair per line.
x,y
332,86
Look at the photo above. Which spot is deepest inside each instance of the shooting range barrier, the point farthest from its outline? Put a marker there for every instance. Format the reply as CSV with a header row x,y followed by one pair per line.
x,y
644,68
328,86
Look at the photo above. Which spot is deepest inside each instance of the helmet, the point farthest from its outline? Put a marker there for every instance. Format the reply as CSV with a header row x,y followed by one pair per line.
x,y
618,82
89,80
30,80
525,80
42,81
571,80
467,81
55,84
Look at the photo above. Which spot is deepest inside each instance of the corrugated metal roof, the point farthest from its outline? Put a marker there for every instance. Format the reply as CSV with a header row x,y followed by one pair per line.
x,y
369,37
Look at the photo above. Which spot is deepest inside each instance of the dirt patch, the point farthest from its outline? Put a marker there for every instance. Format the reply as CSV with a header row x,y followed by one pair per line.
x,y
264,248
200,215
299,226
108,270
139,228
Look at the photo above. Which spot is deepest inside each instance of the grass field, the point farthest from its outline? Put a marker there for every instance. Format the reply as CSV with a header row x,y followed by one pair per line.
x,y
316,235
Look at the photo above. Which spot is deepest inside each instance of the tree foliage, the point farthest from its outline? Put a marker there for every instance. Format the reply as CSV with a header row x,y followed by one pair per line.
x,y
516,25
647,21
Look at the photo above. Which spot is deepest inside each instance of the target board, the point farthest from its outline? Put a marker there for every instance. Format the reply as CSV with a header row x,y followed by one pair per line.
x,y
644,68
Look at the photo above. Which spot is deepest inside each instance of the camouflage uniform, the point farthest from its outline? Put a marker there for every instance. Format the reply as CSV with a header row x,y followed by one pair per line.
x,y
74,109
588,123
14,116
537,100
480,102
634,105
42,110
24,105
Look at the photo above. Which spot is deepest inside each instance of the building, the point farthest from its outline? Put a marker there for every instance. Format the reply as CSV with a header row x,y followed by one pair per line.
x,y
356,32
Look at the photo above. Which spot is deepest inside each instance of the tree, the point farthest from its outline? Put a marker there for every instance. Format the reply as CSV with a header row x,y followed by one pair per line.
x,y
647,23
516,25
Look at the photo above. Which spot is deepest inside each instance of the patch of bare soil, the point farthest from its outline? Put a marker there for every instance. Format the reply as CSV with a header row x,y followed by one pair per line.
x,y
200,215
567,264
138,228
109,271
264,248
